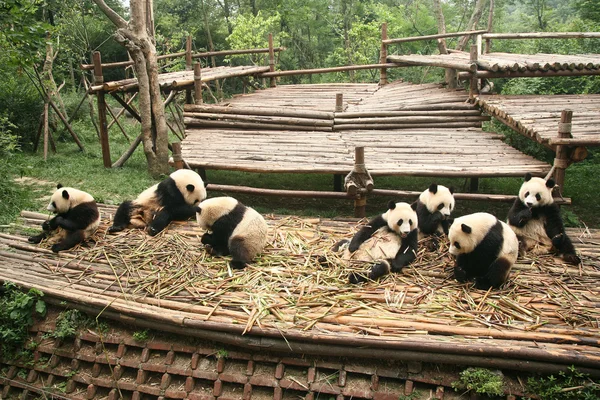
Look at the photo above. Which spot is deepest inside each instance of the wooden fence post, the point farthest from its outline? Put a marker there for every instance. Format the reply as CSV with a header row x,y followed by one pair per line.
x,y
473,90
188,66
360,204
561,159
98,80
383,55
198,83
339,102
177,157
273,80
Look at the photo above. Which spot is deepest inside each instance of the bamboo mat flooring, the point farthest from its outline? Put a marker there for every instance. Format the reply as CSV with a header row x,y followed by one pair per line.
x,y
407,129
298,290
537,117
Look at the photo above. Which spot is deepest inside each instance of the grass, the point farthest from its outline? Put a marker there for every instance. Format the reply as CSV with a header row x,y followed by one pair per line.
x,y
84,170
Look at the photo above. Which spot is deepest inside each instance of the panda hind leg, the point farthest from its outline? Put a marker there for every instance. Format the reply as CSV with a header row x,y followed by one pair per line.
x,y
564,245
122,217
38,238
377,271
496,275
70,241
240,255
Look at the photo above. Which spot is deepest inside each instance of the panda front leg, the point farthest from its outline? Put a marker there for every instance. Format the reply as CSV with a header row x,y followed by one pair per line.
x,y
46,229
160,222
71,240
496,275
460,270
122,217
214,246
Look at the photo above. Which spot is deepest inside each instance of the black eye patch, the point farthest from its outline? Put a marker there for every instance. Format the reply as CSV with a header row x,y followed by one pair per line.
x,y
410,222
400,221
457,245
538,197
440,206
54,204
526,194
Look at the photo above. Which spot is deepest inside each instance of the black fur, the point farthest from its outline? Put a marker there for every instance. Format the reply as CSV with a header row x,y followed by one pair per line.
x,y
74,221
222,230
519,215
429,222
174,208
483,264
366,232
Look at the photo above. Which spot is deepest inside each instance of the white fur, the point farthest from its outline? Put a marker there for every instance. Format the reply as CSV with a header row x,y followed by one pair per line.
x,y
480,224
433,200
76,197
529,189
402,212
533,234
185,177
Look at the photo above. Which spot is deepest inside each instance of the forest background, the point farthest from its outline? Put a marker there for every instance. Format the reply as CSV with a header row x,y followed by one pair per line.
x,y
315,33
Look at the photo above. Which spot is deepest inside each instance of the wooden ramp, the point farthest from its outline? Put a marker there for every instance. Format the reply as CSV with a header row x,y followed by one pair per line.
x,y
406,129
296,298
537,117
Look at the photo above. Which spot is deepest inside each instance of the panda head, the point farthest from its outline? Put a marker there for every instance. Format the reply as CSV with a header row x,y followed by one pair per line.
x,y
536,192
190,185
401,217
438,198
468,231
65,198
210,210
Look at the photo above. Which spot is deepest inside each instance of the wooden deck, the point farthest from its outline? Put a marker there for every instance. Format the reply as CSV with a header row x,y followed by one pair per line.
x,y
545,318
407,129
537,117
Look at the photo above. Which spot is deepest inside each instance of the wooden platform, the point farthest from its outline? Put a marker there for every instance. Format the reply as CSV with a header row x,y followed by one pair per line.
x,y
295,298
537,117
407,129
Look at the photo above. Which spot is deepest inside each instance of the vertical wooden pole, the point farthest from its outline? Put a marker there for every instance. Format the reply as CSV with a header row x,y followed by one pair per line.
x,y
177,157
188,66
339,102
383,55
473,185
198,83
46,132
98,80
562,157
273,80
488,42
473,90
360,204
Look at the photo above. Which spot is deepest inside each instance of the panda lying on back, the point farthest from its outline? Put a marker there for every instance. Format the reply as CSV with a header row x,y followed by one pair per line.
x,y
173,199
387,242
77,218
536,219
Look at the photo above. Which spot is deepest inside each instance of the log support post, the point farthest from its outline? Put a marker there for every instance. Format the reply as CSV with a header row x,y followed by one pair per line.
x,y
561,158
383,55
188,66
473,185
339,102
273,80
473,86
198,83
99,80
359,182
337,182
177,157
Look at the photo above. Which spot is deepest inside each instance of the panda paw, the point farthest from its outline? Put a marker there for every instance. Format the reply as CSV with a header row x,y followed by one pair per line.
x,y
45,226
460,274
356,278
36,239
237,264
115,229
572,258
56,248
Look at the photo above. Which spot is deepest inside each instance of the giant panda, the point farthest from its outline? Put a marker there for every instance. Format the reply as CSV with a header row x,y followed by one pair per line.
x,y
388,242
232,229
536,220
434,207
77,218
485,249
173,199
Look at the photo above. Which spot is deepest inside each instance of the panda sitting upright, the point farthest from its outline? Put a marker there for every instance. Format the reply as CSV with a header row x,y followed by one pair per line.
x,y
388,242
434,207
485,249
536,220
173,199
77,218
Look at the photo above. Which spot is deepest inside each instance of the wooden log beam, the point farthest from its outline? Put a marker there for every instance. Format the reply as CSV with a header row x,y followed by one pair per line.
x,y
541,35
326,70
263,110
279,192
526,74
126,106
438,36
420,60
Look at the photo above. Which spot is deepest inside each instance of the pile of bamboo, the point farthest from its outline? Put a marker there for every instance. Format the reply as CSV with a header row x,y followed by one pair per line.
x,y
299,289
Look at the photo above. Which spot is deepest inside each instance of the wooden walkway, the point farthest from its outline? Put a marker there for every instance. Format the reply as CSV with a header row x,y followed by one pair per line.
x,y
537,117
407,129
546,317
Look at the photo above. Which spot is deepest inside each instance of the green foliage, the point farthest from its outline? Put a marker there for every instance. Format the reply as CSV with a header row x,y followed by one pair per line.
x,y
69,322
141,336
17,312
252,32
8,140
570,384
480,380
222,353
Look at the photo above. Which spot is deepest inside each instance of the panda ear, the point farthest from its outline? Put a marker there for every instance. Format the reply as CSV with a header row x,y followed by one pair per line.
x,y
550,183
451,189
391,205
465,228
190,188
414,206
59,186
65,195
527,177
433,188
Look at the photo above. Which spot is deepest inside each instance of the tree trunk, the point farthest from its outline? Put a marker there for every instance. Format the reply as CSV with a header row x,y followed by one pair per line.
x,y
441,23
133,35
475,17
